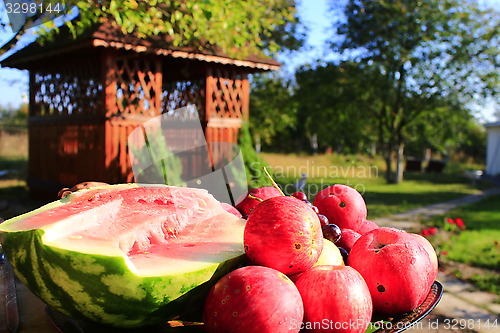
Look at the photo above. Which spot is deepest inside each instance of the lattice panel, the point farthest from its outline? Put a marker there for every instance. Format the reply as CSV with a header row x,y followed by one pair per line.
x,y
180,94
69,90
228,94
138,85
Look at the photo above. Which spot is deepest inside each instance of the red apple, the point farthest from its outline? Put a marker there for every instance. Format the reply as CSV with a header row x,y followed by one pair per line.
x,y
336,299
342,205
430,249
396,267
253,299
348,238
254,197
366,226
283,233
329,256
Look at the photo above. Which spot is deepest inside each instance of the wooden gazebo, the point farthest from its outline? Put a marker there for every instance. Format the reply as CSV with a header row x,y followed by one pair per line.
x,y
88,94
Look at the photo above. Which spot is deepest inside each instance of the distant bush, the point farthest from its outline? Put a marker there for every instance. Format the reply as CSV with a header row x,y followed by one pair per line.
x,y
254,164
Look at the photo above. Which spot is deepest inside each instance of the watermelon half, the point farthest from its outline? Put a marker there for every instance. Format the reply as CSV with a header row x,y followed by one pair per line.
x,y
124,255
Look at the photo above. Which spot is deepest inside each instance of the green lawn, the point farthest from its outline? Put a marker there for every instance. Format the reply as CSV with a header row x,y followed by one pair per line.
x,y
478,245
367,176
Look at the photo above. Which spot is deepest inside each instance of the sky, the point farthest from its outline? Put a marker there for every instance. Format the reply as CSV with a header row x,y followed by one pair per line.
x,y
313,13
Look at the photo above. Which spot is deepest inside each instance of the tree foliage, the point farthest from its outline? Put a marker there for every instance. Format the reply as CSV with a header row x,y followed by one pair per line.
x,y
12,117
254,164
273,109
425,52
333,104
239,28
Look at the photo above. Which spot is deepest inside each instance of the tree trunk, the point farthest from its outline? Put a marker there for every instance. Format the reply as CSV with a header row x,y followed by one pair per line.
x,y
373,149
388,166
400,163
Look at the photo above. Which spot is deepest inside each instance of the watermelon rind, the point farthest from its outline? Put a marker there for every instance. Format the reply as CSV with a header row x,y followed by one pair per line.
x,y
103,288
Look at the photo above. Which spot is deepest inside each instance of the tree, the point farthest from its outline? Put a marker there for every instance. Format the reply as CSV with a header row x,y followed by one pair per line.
x,y
273,109
239,28
11,117
447,128
332,101
425,52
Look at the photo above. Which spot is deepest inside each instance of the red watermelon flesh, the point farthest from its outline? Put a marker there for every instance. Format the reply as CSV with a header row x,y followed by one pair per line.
x,y
144,222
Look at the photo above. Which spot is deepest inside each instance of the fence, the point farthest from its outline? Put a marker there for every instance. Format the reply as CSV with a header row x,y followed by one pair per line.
x,y
13,142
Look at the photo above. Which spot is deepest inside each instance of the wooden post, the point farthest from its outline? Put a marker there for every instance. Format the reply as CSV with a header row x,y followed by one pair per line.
x,y
245,87
209,111
158,85
34,107
109,80
209,90
110,109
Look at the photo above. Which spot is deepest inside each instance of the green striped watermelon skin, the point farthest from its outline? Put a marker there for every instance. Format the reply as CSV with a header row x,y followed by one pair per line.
x,y
66,281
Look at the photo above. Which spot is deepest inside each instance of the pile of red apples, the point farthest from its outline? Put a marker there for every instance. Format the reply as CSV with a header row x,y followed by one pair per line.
x,y
297,280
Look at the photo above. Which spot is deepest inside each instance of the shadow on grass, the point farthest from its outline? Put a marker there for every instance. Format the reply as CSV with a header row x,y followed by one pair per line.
x,y
383,199
14,194
445,178
17,164
15,199
482,215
